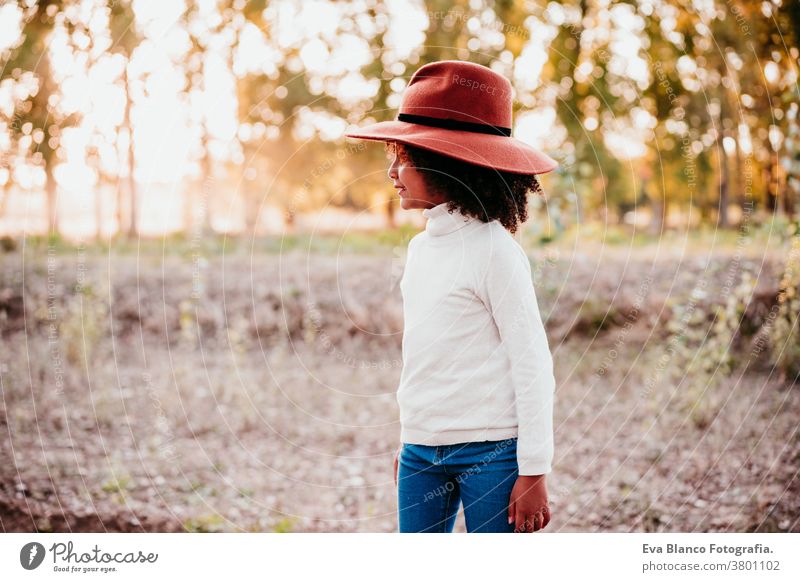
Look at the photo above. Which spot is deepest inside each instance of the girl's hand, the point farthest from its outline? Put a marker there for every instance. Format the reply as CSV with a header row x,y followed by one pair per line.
x,y
527,507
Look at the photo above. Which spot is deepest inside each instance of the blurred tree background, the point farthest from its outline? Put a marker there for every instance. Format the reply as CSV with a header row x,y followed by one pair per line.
x,y
656,108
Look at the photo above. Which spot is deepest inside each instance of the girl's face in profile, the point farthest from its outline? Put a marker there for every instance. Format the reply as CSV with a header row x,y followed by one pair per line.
x,y
410,182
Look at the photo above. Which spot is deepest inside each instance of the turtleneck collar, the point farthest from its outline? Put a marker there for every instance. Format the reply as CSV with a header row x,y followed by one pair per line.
x,y
441,221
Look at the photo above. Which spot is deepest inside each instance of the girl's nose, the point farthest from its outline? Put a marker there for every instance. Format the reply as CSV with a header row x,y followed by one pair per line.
x,y
393,170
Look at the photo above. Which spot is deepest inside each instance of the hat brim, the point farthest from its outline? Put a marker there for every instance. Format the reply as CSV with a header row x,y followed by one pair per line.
x,y
502,153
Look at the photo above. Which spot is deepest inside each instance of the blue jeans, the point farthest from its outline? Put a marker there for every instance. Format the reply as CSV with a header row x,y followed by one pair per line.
x,y
433,480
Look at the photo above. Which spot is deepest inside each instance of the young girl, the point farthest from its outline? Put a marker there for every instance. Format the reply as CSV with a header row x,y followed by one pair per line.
x,y
476,388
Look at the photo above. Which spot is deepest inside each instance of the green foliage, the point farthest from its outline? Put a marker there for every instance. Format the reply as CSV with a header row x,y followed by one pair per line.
x,y
785,328
187,322
679,82
84,323
116,484
209,523
118,487
285,525
595,315
703,346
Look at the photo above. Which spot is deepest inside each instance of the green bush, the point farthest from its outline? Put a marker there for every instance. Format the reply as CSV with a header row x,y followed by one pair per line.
x,y
784,333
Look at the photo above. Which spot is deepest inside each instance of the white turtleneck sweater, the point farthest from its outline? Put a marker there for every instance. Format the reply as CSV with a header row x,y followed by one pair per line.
x,y
476,361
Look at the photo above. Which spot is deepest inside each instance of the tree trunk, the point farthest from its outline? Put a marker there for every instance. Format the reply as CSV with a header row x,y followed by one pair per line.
x,y
659,219
118,210
724,181
98,212
203,210
133,225
251,210
5,195
52,199
772,187
744,199
789,200
290,220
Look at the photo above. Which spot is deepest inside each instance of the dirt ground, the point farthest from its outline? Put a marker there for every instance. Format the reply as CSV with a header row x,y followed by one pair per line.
x,y
257,394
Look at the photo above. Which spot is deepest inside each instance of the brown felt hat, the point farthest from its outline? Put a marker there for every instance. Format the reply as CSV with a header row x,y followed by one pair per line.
x,y
461,110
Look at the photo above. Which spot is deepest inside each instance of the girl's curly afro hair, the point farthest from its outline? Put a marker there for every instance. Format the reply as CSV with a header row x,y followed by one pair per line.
x,y
484,193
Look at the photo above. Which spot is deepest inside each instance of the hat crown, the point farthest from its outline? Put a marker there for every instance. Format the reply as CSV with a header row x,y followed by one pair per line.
x,y
460,91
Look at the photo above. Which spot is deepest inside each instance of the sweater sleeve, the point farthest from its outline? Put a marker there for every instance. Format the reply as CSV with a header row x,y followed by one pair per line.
x,y
510,297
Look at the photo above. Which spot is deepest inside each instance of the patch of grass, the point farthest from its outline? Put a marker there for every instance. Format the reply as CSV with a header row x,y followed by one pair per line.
x,y
118,484
697,239
596,315
217,244
209,523
117,487
285,525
